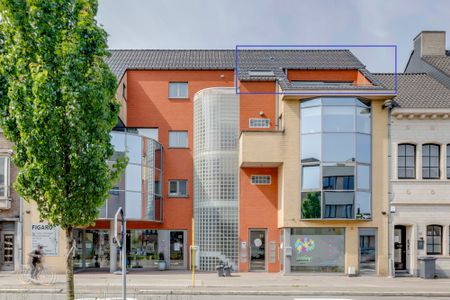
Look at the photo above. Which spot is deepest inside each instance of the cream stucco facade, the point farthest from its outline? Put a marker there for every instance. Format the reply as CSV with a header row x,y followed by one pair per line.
x,y
418,203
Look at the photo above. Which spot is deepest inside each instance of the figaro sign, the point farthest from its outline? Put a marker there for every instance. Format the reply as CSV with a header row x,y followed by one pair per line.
x,y
47,236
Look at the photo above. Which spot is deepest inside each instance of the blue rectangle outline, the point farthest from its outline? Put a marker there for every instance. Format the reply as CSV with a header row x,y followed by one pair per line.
x,y
315,46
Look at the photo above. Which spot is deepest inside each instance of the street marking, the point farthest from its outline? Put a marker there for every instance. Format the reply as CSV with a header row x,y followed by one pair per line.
x,y
322,299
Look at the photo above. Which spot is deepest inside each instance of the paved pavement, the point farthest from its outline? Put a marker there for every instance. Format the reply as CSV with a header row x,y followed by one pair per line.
x,y
178,284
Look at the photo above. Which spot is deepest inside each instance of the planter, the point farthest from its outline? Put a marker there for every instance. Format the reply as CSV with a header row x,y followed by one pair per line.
x,y
161,265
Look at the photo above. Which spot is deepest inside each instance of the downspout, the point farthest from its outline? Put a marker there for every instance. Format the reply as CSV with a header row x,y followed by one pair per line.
x,y
20,233
390,105
277,98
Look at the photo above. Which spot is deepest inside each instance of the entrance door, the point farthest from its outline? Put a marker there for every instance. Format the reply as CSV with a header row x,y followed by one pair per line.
x,y
367,250
177,250
257,250
400,247
7,251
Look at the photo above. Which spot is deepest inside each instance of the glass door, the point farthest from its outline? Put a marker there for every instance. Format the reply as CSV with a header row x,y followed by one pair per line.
x,y
400,247
367,250
177,250
7,251
257,250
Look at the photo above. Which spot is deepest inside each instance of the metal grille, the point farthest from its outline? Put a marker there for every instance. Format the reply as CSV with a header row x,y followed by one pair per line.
x,y
216,133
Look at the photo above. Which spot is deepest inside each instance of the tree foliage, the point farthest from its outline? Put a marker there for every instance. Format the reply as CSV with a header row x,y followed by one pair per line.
x,y
311,206
58,106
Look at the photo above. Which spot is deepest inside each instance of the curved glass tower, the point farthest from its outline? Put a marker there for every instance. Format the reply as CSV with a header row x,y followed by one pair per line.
x,y
138,189
216,134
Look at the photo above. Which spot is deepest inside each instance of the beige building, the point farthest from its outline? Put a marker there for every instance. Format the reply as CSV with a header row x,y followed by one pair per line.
x,y
330,151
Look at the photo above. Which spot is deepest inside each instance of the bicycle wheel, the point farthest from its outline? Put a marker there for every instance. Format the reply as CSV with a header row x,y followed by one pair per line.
x,y
24,274
46,276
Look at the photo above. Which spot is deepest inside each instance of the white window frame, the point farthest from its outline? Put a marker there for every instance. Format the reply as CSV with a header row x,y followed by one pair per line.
x,y
177,144
254,179
177,194
178,95
7,178
260,123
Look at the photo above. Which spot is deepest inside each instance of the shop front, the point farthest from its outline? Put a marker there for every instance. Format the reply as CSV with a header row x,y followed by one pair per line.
x,y
317,250
145,248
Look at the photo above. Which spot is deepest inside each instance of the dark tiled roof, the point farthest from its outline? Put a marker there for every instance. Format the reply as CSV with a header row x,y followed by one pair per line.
x,y
417,90
440,62
274,60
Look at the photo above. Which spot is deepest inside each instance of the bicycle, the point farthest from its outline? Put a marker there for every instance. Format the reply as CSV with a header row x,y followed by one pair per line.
x,y
44,275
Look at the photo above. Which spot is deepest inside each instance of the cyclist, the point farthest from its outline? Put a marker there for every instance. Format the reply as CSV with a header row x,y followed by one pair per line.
x,y
36,261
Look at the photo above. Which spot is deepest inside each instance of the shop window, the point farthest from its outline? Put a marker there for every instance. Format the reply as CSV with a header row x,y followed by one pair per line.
x,y
406,161
178,90
430,161
178,139
317,249
178,188
434,240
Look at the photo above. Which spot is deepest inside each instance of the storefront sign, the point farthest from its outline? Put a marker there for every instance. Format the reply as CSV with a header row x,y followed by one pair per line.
x,y
47,236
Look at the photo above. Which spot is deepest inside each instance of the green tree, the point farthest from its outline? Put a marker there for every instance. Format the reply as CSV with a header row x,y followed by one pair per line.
x,y
58,106
311,205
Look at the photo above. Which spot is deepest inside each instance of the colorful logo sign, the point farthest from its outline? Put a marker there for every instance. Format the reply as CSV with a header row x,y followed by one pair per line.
x,y
305,245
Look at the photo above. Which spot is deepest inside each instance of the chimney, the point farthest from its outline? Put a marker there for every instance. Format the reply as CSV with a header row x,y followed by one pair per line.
x,y
430,43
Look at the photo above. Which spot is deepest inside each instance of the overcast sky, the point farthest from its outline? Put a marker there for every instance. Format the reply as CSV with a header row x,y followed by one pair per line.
x,y
222,24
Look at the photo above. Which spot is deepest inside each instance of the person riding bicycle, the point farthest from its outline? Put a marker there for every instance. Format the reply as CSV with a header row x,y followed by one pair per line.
x,y
36,261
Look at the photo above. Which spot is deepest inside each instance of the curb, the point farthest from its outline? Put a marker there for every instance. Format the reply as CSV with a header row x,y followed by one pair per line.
x,y
30,291
294,293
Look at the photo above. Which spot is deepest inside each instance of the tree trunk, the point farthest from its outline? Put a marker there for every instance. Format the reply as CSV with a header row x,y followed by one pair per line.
x,y
69,264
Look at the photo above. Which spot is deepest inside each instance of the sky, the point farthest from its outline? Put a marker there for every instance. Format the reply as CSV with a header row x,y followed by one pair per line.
x,y
223,24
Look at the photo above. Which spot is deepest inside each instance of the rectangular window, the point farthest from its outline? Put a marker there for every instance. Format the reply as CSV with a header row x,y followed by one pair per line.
x,y
178,188
430,161
448,161
406,161
178,90
258,123
178,139
434,240
3,177
261,179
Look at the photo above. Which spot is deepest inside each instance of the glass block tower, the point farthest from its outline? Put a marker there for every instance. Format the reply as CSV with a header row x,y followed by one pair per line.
x,y
216,134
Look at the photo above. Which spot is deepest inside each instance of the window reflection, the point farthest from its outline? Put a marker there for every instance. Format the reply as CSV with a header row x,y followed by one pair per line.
x,y
338,147
311,177
338,119
336,151
139,188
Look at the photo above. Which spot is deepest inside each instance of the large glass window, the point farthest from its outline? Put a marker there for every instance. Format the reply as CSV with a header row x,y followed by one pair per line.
x,y
138,189
406,161
336,158
434,239
3,177
430,161
317,249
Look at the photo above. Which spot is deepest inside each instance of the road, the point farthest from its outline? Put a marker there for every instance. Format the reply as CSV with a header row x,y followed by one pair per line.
x,y
206,297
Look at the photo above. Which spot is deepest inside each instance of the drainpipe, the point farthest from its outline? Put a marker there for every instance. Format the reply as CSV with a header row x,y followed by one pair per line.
x,y
277,98
20,233
390,105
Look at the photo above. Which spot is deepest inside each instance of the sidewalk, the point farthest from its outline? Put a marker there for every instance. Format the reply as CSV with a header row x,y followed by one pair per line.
x,y
172,282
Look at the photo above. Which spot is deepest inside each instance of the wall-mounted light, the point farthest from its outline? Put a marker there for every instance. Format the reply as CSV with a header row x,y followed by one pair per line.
x,y
261,113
